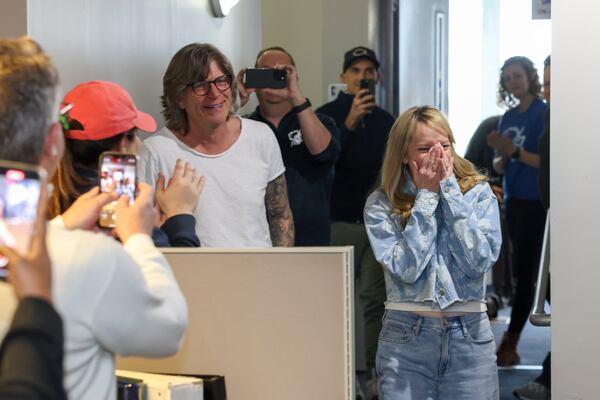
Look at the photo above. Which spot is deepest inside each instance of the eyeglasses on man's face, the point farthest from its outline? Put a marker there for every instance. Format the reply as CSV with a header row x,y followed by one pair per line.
x,y
201,88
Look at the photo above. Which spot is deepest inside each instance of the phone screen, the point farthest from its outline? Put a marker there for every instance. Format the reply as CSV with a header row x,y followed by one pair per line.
x,y
19,200
117,174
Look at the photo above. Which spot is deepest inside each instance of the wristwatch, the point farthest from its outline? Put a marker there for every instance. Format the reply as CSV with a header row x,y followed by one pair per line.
x,y
302,107
517,154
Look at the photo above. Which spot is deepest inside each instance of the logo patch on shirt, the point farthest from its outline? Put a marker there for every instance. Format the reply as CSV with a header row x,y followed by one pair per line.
x,y
518,138
295,137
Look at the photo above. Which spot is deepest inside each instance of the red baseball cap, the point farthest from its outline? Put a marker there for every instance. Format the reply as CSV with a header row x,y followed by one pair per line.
x,y
103,109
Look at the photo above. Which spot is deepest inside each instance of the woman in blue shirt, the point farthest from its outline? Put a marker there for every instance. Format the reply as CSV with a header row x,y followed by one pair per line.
x,y
434,226
516,146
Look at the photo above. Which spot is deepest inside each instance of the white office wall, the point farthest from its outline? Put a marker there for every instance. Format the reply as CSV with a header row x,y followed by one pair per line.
x,y
317,33
131,41
346,24
297,27
574,198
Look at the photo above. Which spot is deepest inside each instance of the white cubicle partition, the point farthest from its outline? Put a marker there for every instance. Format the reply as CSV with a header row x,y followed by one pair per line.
x,y
278,323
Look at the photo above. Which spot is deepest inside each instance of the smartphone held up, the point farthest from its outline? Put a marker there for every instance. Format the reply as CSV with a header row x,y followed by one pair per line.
x,y
117,174
20,188
265,78
368,84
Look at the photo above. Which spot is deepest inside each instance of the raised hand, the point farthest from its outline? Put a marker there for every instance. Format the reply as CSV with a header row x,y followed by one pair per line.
x,y
138,217
363,104
243,92
31,274
436,166
182,192
85,211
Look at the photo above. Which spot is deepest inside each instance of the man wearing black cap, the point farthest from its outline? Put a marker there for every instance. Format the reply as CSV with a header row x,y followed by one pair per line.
x,y
363,128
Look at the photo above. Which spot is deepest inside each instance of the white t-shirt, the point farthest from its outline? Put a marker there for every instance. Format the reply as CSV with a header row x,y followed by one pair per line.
x,y
231,211
113,298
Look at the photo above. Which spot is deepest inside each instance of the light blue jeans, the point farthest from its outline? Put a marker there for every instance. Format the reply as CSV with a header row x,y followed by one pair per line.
x,y
423,358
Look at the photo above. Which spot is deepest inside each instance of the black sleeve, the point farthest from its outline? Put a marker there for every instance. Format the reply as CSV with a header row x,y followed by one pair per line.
x,y
331,153
31,354
478,151
338,117
160,238
181,231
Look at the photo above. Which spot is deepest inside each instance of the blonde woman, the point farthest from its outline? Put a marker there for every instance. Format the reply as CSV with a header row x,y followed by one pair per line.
x,y
434,226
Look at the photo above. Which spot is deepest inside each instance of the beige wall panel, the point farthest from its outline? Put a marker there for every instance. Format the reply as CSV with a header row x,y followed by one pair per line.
x,y
277,323
13,18
317,33
297,26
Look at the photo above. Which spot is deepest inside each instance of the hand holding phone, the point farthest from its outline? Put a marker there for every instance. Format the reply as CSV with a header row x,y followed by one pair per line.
x,y
243,92
85,211
30,273
136,217
265,78
117,174
362,104
20,190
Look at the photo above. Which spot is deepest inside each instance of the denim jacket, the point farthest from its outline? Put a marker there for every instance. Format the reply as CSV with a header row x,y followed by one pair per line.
x,y
441,255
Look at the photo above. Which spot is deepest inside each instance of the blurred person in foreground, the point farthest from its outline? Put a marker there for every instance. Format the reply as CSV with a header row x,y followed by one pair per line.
x,y
114,298
31,354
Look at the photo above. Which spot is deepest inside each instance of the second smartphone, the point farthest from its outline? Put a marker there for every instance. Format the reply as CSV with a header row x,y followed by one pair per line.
x,y
20,188
118,173
368,84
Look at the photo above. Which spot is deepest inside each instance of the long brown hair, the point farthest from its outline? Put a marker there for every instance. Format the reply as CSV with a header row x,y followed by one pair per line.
x,y
191,63
507,99
68,182
394,171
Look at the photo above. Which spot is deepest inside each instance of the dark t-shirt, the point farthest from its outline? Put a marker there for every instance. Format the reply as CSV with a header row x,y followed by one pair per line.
x,y
521,181
357,170
309,177
482,155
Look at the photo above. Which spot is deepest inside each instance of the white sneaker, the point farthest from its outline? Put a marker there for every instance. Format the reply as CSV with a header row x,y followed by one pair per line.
x,y
532,391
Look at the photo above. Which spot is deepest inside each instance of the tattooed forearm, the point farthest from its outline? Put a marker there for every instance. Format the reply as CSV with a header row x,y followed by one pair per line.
x,y
279,214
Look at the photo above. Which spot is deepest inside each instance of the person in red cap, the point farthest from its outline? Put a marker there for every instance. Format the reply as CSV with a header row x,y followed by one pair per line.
x,y
101,116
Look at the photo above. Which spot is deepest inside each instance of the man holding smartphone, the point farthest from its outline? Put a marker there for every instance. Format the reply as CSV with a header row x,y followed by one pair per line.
x,y
364,128
307,140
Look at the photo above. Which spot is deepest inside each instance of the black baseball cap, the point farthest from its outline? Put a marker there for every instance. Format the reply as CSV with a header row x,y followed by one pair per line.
x,y
357,53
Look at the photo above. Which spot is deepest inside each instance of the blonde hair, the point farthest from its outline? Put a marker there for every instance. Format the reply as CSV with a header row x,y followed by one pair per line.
x,y
394,171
